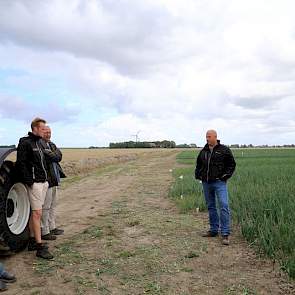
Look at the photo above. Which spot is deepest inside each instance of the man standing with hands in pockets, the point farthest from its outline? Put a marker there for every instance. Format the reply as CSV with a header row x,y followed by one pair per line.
x,y
215,165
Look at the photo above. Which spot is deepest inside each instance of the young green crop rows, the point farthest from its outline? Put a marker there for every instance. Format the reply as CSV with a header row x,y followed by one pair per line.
x,y
262,198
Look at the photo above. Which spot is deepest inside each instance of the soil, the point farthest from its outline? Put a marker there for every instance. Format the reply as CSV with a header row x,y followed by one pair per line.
x,y
123,235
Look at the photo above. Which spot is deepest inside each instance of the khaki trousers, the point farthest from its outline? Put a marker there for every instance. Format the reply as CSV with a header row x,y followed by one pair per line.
x,y
48,211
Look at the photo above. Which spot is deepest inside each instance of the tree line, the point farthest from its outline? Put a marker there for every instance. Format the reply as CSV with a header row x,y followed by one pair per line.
x,y
142,144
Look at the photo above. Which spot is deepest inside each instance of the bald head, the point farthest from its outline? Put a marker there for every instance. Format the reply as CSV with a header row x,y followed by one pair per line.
x,y
47,133
211,137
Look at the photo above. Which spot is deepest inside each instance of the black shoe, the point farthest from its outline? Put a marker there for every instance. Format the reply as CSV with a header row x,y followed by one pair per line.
x,y
3,287
32,246
57,231
6,277
48,237
42,252
209,234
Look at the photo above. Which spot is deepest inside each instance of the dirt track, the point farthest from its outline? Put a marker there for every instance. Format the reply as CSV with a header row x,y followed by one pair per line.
x,y
124,236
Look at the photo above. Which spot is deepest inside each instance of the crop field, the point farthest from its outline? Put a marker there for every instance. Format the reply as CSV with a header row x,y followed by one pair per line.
x,y
77,161
261,197
72,154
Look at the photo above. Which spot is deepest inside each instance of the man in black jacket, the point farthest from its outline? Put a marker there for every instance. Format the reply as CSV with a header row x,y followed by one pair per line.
x,y
53,156
215,165
32,171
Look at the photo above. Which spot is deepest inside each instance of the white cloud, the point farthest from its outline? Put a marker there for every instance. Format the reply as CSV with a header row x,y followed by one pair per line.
x,y
167,68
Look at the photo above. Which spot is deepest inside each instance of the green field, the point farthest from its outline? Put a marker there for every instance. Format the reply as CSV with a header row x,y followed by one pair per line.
x,y
262,198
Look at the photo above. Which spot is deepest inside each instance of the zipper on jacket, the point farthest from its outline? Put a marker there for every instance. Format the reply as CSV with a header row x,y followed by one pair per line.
x,y
33,170
41,156
209,159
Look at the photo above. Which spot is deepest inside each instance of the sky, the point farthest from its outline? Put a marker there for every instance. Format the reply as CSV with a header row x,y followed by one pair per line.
x,y
100,71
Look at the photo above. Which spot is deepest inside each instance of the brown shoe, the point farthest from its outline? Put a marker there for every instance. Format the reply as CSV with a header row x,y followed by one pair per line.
x,y
48,237
57,231
209,234
225,240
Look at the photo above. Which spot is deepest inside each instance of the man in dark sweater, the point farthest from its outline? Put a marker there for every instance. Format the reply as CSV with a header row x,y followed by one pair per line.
x,y
53,156
32,171
215,165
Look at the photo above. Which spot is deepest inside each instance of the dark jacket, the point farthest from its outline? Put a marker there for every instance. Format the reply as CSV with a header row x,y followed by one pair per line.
x,y
53,156
30,163
218,165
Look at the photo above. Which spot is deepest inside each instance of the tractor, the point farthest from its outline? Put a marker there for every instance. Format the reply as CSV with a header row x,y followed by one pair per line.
x,y
14,204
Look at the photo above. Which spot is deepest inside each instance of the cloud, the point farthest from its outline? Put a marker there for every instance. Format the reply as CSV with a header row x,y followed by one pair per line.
x,y
169,67
17,108
257,102
124,33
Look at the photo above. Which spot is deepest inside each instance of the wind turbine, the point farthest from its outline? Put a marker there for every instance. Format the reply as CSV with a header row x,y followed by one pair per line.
x,y
136,136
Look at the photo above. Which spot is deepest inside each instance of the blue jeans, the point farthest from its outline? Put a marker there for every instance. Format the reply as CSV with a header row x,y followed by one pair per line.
x,y
212,190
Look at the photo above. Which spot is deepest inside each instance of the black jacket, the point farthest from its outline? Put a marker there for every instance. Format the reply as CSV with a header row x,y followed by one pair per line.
x,y
30,163
218,165
53,156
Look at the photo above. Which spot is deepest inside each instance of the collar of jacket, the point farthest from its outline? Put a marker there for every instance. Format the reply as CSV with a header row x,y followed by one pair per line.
x,y
33,136
206,147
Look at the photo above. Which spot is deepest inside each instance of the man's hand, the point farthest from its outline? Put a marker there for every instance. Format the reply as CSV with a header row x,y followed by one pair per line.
x,y
48,152
224,177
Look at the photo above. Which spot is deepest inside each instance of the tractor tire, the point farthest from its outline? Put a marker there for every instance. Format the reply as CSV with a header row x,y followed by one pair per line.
x,y
14,209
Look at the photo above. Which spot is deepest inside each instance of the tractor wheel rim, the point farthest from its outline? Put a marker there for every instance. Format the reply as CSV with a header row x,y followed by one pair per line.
x,y
17,217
